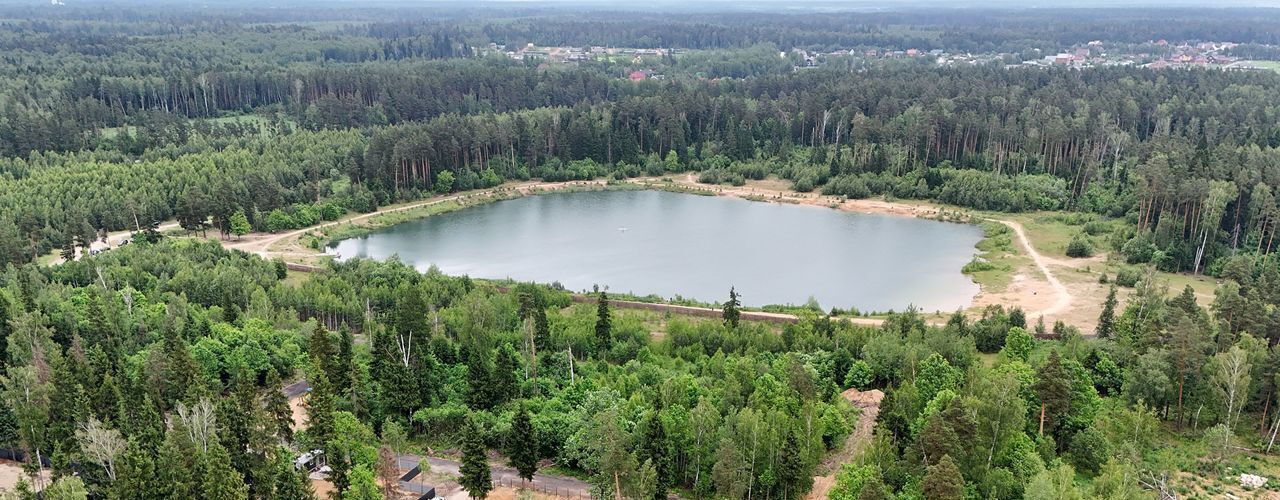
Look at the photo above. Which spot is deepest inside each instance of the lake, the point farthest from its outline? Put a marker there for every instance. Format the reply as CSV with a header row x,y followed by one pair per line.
x,y
669,244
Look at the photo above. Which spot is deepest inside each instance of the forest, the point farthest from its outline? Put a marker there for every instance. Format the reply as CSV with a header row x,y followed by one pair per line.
x,y
155,370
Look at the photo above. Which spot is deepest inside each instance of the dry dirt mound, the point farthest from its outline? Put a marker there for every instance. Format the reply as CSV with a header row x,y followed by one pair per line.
x,y
869,403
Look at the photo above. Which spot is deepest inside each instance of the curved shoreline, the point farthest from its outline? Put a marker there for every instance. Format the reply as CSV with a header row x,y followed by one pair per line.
x,y
268,245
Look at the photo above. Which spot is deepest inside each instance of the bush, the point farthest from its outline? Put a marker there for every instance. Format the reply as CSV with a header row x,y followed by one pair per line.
x,y
1138,250
1128,277
977,265
1089,450
859,376
1096,227
1079,247
278,221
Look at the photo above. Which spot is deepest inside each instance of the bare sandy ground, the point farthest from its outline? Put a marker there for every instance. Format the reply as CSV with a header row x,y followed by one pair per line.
x,y
11,472
1035,288
869,403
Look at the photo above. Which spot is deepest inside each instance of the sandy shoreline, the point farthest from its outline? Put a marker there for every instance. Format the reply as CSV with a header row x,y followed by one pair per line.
x,y
1036,292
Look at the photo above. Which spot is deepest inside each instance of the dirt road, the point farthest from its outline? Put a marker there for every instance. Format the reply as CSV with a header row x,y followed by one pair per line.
x,y
1064,295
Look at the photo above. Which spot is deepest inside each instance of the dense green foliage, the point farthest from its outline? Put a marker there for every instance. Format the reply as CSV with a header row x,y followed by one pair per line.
x,y
86,146
155,370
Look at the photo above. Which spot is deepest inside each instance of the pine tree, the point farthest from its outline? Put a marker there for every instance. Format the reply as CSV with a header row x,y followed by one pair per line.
x,y
476,478
277,406
654,447
937,439
943,481
6,314
604,328
874,489
1188,351
320,408
135,476
541,329
345,367
290,483
339,469
217,478
731,313
1107,320
1053,387
180,374
793,471
478,375
522,445
320,348
505,383
175,466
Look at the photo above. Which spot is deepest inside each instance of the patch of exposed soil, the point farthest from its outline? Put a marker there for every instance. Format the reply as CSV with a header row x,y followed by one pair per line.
x,y
869,403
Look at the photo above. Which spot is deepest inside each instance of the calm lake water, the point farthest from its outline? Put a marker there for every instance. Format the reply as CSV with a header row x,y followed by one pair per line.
x,y
655,242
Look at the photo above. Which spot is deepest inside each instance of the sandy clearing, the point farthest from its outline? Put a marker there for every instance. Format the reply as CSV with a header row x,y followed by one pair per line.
x,y
869,403
11,472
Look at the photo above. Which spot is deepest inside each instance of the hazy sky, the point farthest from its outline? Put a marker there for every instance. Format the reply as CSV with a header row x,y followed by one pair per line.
x,y
906,4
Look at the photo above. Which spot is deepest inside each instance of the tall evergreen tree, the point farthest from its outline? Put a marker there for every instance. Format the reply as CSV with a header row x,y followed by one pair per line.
x,y
6,314
943,481
277,407
175,466
323,355
363,485
505,382
604,327
320,407
476,478
1107,319
339,469
1053,388
541,329
731,313
290,483
653,446
217,478
345,367
522,445
478,379
1189,349
135,476
794,474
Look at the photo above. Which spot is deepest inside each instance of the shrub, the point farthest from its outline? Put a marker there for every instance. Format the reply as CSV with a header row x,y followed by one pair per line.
x,y
859,376
1138,250
1096,227
278,221
1089,450
1128,277
977,265
1079,247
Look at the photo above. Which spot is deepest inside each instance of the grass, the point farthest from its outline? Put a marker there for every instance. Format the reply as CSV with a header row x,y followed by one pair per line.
x,y
998,258
1049,232
1271,65
296,278
327,236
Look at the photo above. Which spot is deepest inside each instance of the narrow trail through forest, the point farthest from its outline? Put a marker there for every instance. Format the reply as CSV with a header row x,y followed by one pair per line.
x,y
869,404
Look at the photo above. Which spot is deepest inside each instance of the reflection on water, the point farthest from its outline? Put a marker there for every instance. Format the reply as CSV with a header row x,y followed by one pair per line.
x,y
694,246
